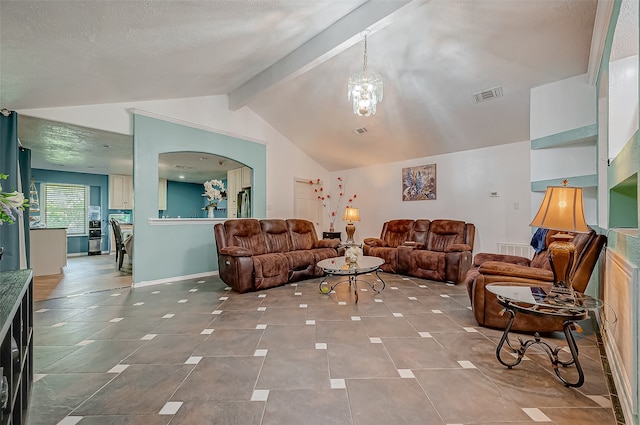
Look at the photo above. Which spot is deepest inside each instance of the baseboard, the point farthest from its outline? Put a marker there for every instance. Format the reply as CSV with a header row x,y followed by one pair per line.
x,y
173,279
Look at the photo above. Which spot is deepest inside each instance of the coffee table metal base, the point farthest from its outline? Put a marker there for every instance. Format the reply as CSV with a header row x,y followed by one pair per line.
x,y
552,352
353,281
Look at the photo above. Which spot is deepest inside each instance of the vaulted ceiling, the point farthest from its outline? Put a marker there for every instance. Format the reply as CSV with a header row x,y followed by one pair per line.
x,y
289,61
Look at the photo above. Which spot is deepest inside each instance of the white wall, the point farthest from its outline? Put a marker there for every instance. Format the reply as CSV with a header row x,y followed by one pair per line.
x,y
464,183
562,105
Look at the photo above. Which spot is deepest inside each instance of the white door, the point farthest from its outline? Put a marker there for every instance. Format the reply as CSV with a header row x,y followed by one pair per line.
x,y
306,204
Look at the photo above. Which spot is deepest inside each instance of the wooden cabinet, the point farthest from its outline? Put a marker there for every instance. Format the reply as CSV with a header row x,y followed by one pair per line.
x,y
120,192
162,194
16,351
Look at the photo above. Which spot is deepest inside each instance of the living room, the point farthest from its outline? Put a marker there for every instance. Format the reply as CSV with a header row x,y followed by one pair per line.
x,y
493,187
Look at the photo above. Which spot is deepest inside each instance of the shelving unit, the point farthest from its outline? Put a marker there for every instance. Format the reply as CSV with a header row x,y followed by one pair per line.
x,y
16,349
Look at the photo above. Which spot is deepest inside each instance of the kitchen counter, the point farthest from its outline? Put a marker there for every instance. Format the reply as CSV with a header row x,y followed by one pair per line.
x,y
48,250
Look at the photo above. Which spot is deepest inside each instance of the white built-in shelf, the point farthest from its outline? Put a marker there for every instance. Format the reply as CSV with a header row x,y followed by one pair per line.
x,y
590,180
586,134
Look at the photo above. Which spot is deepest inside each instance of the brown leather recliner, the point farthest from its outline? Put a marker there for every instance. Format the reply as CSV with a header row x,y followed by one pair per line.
x,y
259,254
490,268
438,250
394,234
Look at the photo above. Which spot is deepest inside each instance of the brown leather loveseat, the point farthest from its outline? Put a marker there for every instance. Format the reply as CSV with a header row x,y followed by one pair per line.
x,y
489,268
437,250
259,254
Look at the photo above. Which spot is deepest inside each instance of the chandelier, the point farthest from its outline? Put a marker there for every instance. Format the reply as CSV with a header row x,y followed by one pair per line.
x,y
365,88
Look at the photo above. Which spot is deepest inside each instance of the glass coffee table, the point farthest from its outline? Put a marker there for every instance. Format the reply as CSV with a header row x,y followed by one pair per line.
x,y
338,267
534,300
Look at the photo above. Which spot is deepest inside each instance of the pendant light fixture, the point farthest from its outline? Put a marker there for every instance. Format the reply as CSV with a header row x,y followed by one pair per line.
x,y
365,88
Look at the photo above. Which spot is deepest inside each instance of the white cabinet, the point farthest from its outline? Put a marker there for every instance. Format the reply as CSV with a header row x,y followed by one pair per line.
x,y
246,176
234,184
237,180
48,251
162,194
120,192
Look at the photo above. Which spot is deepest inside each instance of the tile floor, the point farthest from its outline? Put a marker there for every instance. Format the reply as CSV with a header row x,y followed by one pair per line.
x,y
193,352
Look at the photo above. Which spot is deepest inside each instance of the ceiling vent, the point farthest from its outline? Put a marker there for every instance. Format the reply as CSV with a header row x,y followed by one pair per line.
x,y
361,130
488,94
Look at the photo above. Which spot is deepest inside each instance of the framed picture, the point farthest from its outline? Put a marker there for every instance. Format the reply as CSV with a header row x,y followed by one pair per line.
x,y
419,183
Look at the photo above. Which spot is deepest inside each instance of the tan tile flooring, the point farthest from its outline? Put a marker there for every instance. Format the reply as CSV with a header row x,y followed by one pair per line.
x,y
192,352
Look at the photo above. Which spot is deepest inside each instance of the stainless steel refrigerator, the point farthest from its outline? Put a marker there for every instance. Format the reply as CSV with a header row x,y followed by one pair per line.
x,y
244,203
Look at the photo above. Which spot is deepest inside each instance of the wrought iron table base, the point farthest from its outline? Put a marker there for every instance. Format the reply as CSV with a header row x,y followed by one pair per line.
x,y
353,283
551,352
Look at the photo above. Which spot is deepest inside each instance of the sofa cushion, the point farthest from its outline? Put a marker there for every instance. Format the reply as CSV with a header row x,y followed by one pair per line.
x,y
421,231
388,255
320,254
303,234
270,270
245,234
444,233
301,264
428,264
397,232
276,235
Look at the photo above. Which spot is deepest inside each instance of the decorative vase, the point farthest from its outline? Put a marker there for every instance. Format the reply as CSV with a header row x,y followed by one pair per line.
x,y
352,255
210,213
331,228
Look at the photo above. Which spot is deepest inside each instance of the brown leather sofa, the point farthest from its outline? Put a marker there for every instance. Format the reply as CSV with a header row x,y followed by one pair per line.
x,y
437,250
489,268
259,254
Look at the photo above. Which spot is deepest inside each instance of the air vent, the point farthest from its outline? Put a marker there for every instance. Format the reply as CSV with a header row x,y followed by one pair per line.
x,y
488,94
361,130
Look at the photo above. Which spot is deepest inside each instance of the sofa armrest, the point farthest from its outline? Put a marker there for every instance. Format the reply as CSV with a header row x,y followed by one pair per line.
x,y
482,258
457,247
515,271
236,251
375,242
327,243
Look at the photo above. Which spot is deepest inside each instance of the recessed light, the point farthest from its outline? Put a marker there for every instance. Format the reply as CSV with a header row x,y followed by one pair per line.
x,y
181,177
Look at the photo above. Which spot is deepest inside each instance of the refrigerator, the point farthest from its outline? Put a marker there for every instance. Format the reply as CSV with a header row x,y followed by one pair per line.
x,y
244,203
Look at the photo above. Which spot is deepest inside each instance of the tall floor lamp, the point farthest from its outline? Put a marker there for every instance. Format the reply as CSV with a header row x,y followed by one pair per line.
x,y
351,215
562,209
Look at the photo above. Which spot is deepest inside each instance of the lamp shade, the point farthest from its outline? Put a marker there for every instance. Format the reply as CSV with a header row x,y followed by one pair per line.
x,y
562,209
351,214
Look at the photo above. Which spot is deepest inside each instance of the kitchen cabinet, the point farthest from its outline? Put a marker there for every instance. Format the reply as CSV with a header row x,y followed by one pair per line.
x,y
246,176
162,194
234,184
48,251
16,351
237,180
120,192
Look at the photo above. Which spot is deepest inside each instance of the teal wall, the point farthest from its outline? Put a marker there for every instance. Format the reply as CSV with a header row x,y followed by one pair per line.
x,y
184,200
622,174
172,249
98,196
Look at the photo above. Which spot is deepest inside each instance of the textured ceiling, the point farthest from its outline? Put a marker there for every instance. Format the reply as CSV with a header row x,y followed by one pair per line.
x,y
290,60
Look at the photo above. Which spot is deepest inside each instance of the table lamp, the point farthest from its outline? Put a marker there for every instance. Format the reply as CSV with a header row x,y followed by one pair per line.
x,y
562,209
350,215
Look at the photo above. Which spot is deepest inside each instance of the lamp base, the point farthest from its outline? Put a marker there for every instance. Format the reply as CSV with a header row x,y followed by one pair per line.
x,y
561,255
351,229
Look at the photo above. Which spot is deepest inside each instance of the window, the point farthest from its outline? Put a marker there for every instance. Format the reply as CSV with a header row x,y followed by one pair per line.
x,y
66,206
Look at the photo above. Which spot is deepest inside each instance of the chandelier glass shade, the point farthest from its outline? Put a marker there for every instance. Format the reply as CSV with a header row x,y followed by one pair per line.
x,y
365,89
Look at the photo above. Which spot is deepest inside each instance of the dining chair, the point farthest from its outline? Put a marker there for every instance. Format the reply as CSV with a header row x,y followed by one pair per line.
x,y
120,249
